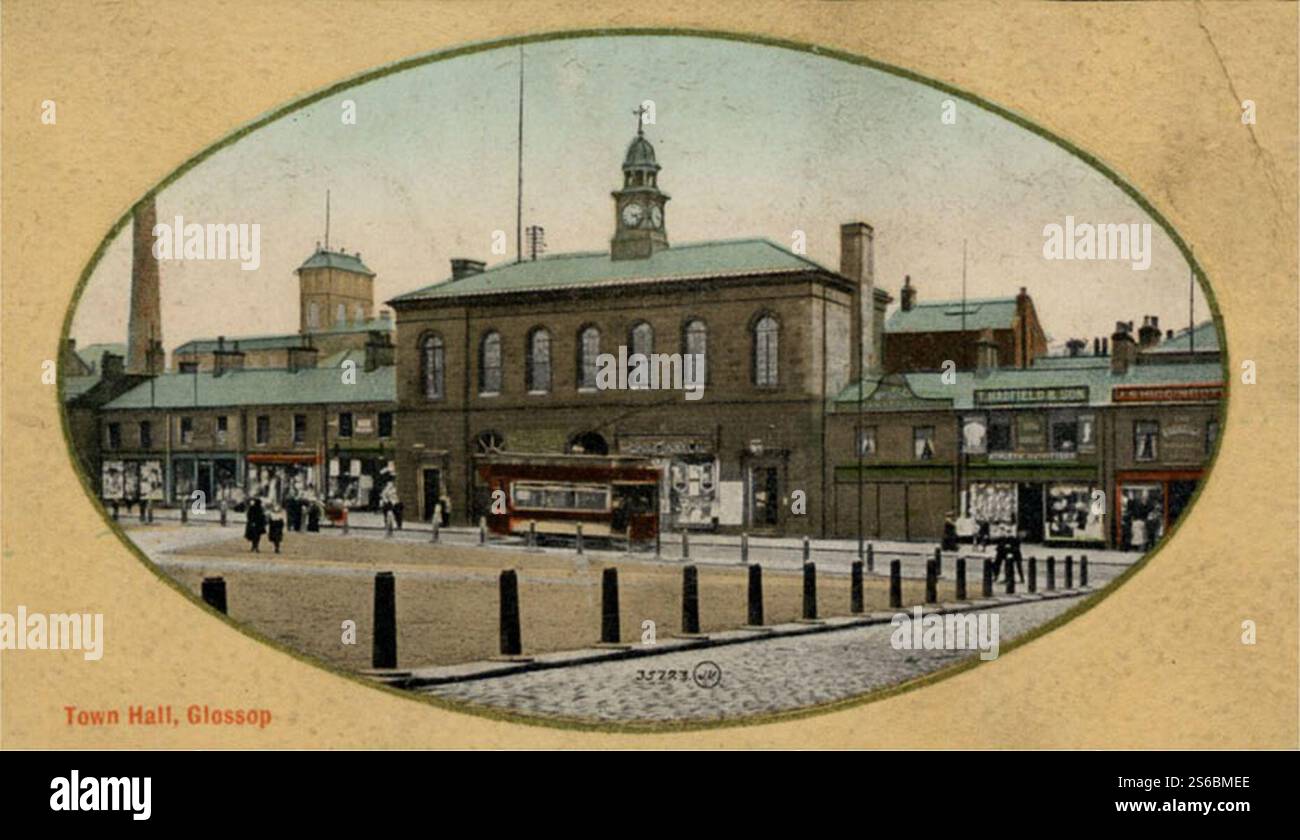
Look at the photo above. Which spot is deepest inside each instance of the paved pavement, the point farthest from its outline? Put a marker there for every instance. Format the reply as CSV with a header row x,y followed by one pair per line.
x,y
754,678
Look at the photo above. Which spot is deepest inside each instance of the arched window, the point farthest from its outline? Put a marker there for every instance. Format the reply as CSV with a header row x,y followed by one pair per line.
x,y
432,364
341,315
588,350
695,342
767,333
588,443
360,314
490,443
539,360
641,339
313,315
489,363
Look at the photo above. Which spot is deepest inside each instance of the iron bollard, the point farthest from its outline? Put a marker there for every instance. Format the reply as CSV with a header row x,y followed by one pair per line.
x,y
1051,573
185,513
690,600
744,548
756,596
987,590
214,593
223,513
578,540
511,643
895,583
346,528
384,650
961,578
938,563
482,530
1011,576
856,601
609,624
1083,571
809,592
532,534
658,545
1033,574
148,506
807,550
932,582
144,511
388,526
1069,571
116,512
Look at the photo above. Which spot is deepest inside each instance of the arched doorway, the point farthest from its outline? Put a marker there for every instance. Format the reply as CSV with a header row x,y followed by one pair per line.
x,y
588,443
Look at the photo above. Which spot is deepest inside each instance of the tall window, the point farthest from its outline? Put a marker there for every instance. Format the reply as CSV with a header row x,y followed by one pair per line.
x,y
489,364
1065,431
695,342
341,316
263,429
641,339
223,424
588,350
867,440
432,366
539,360
146,434
313,314
923,442
1146,440
114,436
345,424
187,430
299,428
360,314
385,424
766,350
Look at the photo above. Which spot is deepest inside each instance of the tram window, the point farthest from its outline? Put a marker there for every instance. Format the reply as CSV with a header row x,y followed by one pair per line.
x,y
560,496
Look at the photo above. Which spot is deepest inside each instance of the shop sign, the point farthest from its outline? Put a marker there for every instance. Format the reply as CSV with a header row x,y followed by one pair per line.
x,y
1022,396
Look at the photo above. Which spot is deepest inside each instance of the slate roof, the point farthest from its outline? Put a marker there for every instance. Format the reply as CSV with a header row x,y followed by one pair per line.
x,y
945,316
1207,340
695,261
960,395
336,259
282,340
260,387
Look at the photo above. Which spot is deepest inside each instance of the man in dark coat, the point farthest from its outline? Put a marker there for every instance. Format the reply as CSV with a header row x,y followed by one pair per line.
x,y
255,526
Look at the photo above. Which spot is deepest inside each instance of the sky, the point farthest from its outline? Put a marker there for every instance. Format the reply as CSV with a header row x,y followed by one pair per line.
x,y
754,141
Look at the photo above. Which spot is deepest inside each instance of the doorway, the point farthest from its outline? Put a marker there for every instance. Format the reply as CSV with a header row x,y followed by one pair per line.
x,y
431,488
764,496
1029,503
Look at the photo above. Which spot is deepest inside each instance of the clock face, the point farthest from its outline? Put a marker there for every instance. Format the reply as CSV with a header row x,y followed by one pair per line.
x,y
632,214
656,217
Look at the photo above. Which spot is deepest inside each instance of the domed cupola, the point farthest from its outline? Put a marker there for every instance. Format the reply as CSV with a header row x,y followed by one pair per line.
x,y
639,207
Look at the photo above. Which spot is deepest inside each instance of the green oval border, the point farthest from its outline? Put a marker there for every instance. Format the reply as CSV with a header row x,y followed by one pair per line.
x,y
646,727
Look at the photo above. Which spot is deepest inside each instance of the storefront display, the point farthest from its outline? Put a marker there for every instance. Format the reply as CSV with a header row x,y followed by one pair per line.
x,y
1142,515
1075,513
994,502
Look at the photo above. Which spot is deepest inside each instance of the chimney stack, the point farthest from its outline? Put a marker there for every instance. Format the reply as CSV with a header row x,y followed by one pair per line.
x,y
986,353
144,325
1074,347
866,323
462,268
907,296
111,366
224,360
380,351
1125,350
1149,335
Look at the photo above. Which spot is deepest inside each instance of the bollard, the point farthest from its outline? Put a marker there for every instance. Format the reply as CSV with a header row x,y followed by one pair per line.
x,y
895,583
116,512
482,530
532,534
686,546
690,600
185,513
1033,574
578,541
871,558
511,644
223,513
384,652
214,593
346,526
744,548
144,511
856,601
609,606
658,546
756,596
961,578
434,532
1051,573
1011,576
1069,571
1083,571
809,592
932,582
148,506
938,563
807,550
987,590
388,526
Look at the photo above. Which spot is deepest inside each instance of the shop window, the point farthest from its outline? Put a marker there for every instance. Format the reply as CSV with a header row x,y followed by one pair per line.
x,y
432,366
187,430
538,374
114,435
923,442
146,434
1211,436
767,338
263,430
588,351
345,424
867,441
999,433
489,363
1146,440
1065,432
299,428
385,424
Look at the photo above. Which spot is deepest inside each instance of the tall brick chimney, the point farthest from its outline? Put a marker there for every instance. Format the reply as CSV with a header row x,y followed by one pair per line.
x,y
1123,348
1149,335
144,327
462,268
858,263
907,295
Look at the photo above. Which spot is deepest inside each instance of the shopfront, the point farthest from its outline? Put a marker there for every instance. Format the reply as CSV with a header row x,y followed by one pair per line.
x,y
128,480
358,477
280,476
691,490
215,477
1148,503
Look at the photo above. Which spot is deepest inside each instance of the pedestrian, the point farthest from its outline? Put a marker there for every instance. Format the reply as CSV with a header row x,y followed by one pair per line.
x,y
949,532
255,525
1015,561
313,509
445,501
293,510
391,504
275,526
1153,527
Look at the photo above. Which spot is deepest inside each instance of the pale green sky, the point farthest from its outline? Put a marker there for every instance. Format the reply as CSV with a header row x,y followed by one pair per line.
x,y
753,140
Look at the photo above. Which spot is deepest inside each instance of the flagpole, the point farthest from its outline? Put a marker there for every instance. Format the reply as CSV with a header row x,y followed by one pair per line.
x,y
519,205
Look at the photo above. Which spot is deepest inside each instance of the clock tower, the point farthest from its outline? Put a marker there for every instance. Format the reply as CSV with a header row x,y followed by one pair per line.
x,y
639,206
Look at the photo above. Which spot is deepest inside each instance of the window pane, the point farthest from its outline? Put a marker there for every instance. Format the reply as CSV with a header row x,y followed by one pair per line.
x,y
765,351
539,361
490,364
696,344
589,350
642,339
431,362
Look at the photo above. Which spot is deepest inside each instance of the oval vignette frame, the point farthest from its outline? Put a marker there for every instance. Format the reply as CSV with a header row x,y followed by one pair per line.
x,y
667,32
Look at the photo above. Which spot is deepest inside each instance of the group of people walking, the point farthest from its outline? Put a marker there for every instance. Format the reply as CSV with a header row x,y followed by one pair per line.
x,y
271,519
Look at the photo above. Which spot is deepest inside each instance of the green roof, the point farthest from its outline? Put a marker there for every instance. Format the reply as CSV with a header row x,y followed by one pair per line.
x,y
696,261
336,259
260,387
946,316
1205,335
1097,379
75,386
